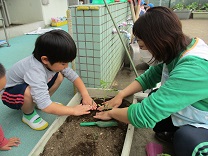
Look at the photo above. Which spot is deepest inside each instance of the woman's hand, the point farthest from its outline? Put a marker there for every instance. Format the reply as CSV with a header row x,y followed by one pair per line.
x,y
115,102
105,115
119,114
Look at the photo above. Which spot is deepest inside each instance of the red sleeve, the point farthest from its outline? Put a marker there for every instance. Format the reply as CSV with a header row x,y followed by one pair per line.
x,y
3,140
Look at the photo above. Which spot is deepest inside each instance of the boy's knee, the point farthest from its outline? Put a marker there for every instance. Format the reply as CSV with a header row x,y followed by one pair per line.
x,y
60,78
27,93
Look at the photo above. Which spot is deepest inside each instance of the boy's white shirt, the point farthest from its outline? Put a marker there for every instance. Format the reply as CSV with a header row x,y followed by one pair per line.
x,y
29,70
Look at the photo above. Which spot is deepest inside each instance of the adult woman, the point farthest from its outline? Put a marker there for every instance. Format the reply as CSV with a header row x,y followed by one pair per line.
x,y
179,108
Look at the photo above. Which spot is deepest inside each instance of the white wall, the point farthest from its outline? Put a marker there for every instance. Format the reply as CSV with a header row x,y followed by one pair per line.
x,y
29,11
24,11
55,8
32,14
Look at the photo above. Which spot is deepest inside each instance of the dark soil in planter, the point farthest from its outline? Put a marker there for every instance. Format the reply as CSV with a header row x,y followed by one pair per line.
x,y
73,140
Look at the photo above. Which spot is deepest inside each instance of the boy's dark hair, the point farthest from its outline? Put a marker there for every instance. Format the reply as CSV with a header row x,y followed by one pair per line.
x,y
57,45
161,31
2,71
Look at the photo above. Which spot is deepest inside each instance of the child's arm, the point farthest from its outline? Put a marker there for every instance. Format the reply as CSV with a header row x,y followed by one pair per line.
x,y
87,100
73,77
58,109
82,89
6,144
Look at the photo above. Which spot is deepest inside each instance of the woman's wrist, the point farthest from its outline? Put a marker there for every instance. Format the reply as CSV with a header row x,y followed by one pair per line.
x,y
110,113
121,94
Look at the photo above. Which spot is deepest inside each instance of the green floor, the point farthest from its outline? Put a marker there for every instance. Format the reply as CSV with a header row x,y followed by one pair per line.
x,y
10,120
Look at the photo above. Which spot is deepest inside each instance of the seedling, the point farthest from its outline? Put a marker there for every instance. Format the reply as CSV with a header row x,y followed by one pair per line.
x,y
106,107
105,86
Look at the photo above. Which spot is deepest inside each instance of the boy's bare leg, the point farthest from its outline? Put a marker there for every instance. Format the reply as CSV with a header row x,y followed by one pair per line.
x,y
56,84
12,142
30,116
28,105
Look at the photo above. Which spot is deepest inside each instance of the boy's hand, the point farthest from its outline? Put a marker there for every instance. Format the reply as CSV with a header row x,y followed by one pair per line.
x,y
81,109
89,101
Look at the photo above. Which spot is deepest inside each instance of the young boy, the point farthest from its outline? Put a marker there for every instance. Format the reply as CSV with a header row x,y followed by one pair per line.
x,y
32,80
5,144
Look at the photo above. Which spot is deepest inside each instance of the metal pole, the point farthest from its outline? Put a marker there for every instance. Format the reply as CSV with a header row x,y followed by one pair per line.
x,y
127,52
160,3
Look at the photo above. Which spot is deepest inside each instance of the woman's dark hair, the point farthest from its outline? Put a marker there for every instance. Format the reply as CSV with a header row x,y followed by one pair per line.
x,y
161,31
2,71
57,45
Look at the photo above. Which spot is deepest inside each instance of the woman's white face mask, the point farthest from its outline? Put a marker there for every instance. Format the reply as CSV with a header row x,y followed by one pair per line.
x,y
148,58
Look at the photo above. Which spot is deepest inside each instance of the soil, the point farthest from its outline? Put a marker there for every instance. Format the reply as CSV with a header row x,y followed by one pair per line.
x,y
73,140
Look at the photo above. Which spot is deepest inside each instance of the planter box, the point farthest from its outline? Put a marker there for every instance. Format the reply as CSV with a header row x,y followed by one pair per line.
x,y
94,92
183,14
200,15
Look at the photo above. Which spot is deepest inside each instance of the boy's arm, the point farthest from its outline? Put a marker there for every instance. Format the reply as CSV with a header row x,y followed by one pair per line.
x,y
86,99
73,77
58,109
81,87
